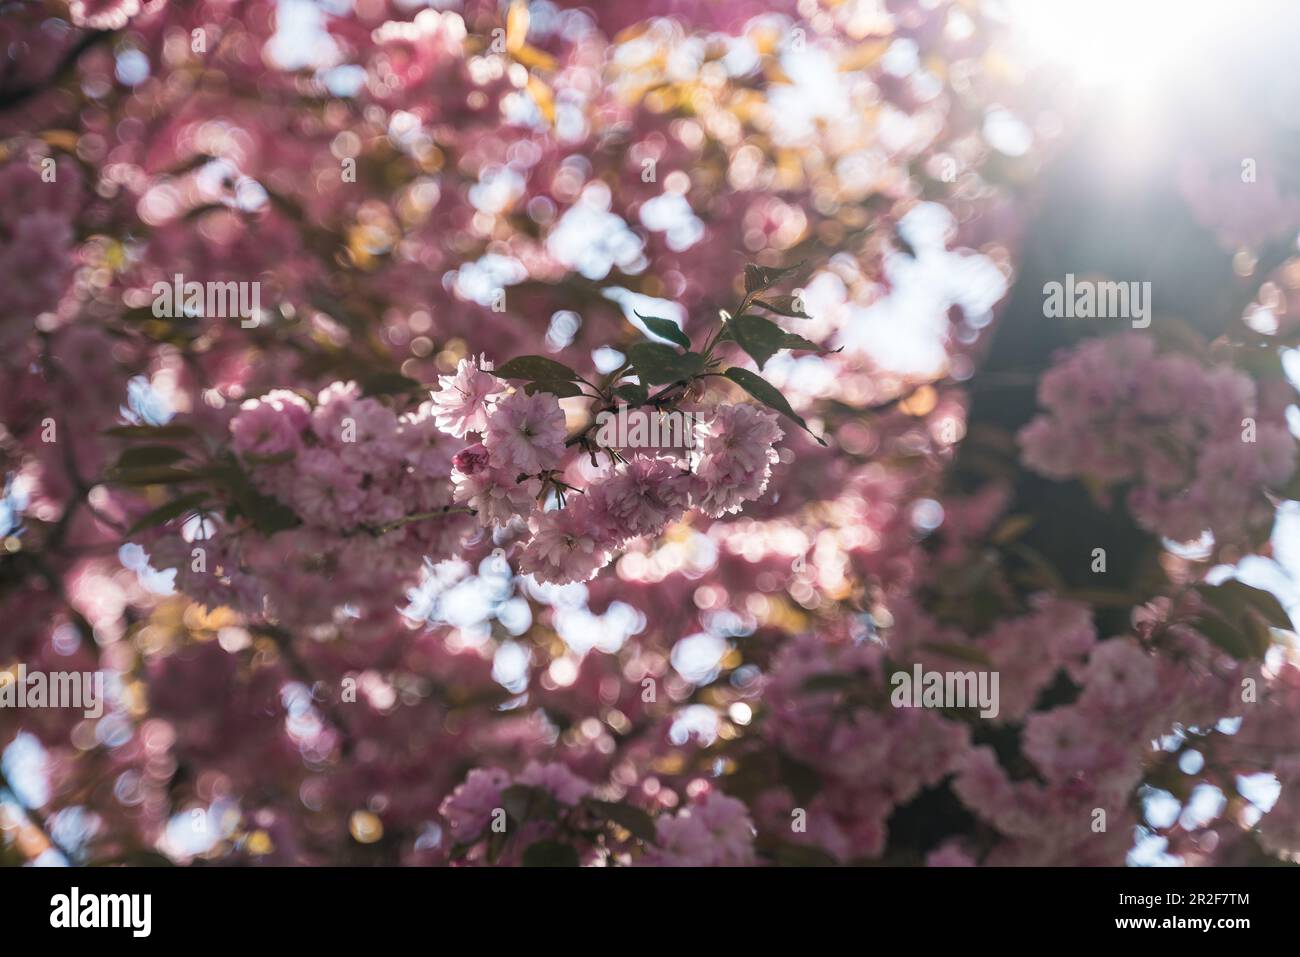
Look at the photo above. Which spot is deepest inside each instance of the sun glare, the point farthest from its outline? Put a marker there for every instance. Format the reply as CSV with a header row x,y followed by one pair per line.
x,y
1137,46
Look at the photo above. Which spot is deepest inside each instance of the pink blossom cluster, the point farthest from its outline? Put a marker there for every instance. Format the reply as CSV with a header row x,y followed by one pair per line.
x,y
1091,755
368,493
522,445
409,191
346,464
714,830
830,710
476,810
869,756
468,810
374,488
1027,650
1194,443
40,196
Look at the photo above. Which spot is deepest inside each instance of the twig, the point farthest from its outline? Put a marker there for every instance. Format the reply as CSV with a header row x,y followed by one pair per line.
x,y
13,97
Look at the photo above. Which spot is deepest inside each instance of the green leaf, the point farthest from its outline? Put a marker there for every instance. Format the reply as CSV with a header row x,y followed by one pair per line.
x,y
523,802
769,395
140,456
1227,602
758,278
562,390
550,854
496,843
536,368
762,338
1232,596
1231,637
783,305
1259,635
270,516
267,514
516,800
633,392
1261,363
632,819
166,512
658,364
1270,608
665,329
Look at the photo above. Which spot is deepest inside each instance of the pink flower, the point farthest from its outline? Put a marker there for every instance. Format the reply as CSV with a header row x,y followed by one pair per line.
x,y
37,234
736,458
1275,450
1120,675
526,433
1047,449
982,784
1279,831
1064,743
1193,440
465,400
293,406
271,425
1029,650
470,807
949,854
495,496
323,492
471,460
425,447
567,545
362,430
716,832
642,496
1227,395
35,265
1167,384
